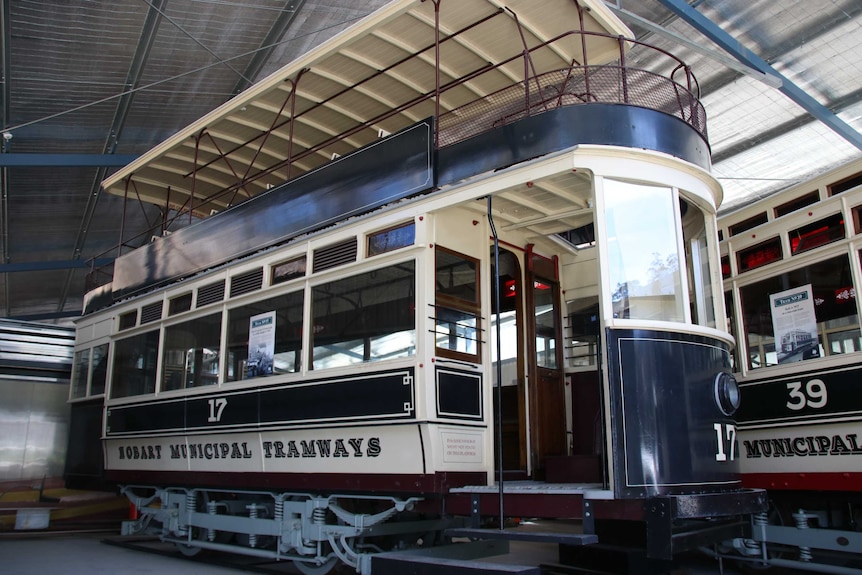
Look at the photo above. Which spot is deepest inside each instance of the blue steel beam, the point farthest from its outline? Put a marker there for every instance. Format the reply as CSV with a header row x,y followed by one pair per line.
x,y
65,160
54,265
727,42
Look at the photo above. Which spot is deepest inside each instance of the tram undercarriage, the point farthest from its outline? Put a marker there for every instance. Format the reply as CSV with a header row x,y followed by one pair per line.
x,y
315,532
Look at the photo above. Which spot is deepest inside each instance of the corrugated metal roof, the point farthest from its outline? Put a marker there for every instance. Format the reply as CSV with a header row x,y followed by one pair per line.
x,y
119,77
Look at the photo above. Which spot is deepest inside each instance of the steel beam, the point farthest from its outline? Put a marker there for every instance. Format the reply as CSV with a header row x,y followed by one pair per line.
x,y
149,30
735,48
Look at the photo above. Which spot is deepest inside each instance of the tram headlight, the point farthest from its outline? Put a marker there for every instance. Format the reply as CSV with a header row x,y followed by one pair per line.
x,y
727,393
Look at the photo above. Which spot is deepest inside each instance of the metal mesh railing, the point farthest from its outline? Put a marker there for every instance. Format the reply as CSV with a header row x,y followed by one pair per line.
x,y
578,85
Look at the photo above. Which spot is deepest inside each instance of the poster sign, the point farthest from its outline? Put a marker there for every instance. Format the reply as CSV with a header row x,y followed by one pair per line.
x,y
794,324
261,344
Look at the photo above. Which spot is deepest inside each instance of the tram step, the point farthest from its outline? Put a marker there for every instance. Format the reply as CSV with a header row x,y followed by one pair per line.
x,y
454,559
520,535
397,564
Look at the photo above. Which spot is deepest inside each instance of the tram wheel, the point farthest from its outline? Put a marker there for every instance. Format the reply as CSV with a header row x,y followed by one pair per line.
x,y
197,533
312,569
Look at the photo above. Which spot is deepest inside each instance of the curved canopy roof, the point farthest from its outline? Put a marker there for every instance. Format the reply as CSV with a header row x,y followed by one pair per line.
x,y
377,77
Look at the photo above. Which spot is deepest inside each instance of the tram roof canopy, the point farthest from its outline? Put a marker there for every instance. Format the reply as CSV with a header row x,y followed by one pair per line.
x,y
376,77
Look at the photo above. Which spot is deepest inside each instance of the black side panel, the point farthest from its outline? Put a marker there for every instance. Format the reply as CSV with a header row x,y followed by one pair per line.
x,y
371,397
664,417
765,402
561,128
459,394
387,170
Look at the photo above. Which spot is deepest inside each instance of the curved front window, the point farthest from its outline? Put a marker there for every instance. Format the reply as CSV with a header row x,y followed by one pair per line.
x,y
643,252
658,246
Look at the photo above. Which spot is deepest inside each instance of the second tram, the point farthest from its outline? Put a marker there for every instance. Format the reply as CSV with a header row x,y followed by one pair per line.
x,y
791,266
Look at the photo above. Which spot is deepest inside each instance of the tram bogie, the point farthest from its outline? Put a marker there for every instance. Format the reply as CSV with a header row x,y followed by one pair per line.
x,y
451,326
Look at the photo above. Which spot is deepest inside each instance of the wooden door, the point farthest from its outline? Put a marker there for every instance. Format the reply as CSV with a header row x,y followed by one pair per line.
x,y
544,360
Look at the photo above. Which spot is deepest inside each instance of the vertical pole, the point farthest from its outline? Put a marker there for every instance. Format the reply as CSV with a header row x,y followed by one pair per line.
x,y
436,73
499,374
625,79
585,63
123,218
195,173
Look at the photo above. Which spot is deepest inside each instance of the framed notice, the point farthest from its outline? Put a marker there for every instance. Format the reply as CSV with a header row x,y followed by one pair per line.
x,y
794,324
261,344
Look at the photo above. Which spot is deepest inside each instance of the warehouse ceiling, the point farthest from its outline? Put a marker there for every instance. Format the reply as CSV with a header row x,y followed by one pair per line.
x,y
87,86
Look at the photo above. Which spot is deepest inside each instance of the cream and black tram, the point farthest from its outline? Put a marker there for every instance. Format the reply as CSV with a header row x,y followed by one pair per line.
x,y
791,264
449,293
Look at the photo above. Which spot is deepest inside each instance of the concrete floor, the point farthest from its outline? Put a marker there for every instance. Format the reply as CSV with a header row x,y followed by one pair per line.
x,y
86,554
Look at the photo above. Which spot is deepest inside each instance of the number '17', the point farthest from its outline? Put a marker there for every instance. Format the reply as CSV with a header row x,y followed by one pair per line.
x,y
725,432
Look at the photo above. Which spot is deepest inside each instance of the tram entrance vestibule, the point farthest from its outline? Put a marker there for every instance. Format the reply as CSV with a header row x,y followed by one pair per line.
x,y
532,408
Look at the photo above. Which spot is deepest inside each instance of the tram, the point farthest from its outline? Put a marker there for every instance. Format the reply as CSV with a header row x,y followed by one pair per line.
x,y
455,266
791,266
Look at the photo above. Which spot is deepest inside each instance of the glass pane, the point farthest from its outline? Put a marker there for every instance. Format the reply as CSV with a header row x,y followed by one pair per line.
x,y
456,277
642,252
392,239
100,370
363,318
456,330
135,365
546,324
80,373
283,340
694,233
191,353
833,299
582,333
735,364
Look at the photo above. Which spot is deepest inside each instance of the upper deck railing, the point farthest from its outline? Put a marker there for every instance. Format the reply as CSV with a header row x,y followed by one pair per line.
x,y
615,82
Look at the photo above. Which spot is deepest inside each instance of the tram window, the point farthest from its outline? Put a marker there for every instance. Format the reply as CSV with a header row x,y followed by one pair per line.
x,y
257,349
842,186
582,332
128,319
365,318
456,331
731,329
546,324
797,203
100,369
725,267
759,255
457,305
180,304
695,237
80,373
816,234
191,353
644,263
134,370
391,239
748,224
833,296
288,270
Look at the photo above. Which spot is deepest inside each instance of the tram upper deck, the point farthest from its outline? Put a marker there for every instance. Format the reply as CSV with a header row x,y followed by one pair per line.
x,y
474,70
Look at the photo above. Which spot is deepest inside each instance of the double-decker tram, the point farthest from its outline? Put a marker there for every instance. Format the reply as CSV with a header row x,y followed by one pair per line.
x,y
462,267
791,266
